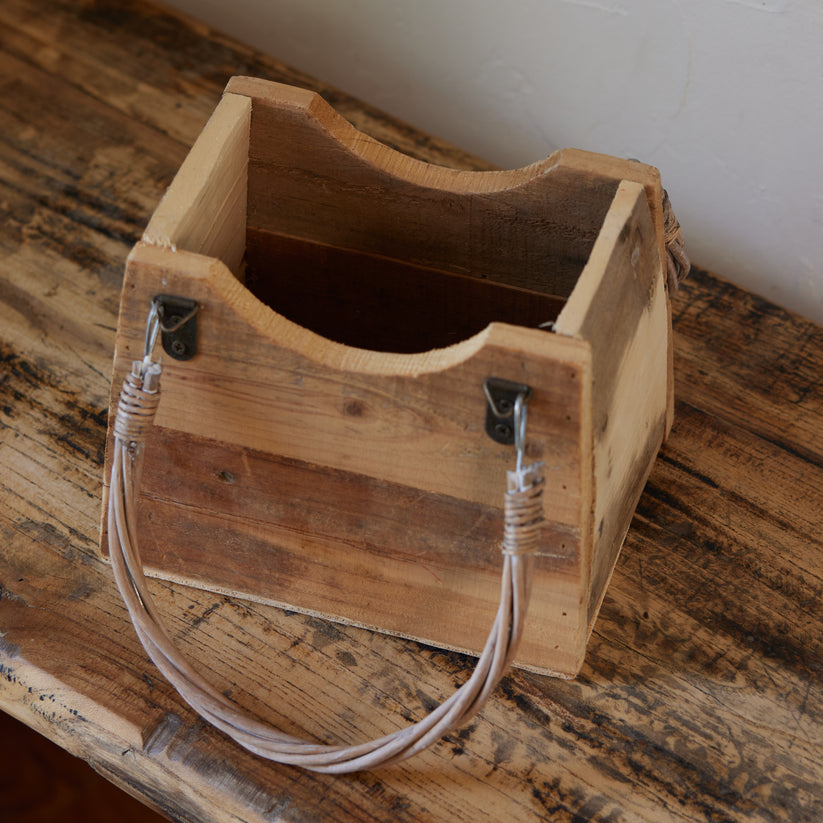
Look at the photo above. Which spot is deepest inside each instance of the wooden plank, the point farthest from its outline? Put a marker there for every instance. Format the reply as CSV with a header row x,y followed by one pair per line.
x,y
204,209
314,176
620,307
336,545
374,303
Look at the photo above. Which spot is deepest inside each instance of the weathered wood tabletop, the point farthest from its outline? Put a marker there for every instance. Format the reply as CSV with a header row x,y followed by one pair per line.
x,y
701,694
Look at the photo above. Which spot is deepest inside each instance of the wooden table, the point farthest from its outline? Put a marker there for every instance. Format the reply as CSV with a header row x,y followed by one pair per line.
x,y
701,695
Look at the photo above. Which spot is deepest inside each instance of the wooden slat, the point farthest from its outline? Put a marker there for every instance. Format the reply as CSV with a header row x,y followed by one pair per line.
x,y
620,307
314,176
341,546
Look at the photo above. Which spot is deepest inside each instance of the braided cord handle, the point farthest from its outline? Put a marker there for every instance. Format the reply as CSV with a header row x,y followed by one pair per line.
x,y
523,512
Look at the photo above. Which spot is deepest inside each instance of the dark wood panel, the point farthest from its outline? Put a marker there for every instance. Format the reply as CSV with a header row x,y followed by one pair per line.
x,y
334,543
380,304
534,229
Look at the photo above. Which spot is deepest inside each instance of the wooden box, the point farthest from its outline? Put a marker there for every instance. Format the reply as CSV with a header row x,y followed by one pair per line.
x,y
325,447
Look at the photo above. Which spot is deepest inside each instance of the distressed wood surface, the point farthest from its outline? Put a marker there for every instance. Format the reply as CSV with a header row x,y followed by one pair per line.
x,y
621,308
701,694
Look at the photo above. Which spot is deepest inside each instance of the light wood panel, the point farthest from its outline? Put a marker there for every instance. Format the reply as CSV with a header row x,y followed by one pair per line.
x,y
620,307
204,209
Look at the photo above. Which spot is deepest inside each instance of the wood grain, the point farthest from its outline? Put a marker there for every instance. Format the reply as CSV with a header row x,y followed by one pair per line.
x,y
701,697
204,209
621,309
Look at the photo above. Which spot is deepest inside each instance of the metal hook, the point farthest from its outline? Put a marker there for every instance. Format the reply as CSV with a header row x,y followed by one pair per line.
x,y
501,396
500,406
152,329
169,328
177,318
521,409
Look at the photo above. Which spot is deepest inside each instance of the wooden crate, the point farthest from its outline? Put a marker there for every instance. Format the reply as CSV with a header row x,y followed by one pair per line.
x,y
325,448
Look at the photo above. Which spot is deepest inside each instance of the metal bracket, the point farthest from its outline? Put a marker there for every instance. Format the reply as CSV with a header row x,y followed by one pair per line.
x,y
501,396
178,325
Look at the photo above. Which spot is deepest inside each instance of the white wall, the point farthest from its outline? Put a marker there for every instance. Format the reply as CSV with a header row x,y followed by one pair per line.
x,y
725,97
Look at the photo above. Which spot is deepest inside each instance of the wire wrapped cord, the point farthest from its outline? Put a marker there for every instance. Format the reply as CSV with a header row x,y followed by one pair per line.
x,y
523,512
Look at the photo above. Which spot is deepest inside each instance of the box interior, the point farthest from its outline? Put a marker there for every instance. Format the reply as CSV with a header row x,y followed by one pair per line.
x,y
373,302
412,258
381,304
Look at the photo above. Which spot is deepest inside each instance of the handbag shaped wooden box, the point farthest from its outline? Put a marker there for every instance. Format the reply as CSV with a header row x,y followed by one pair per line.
x,y
335,427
